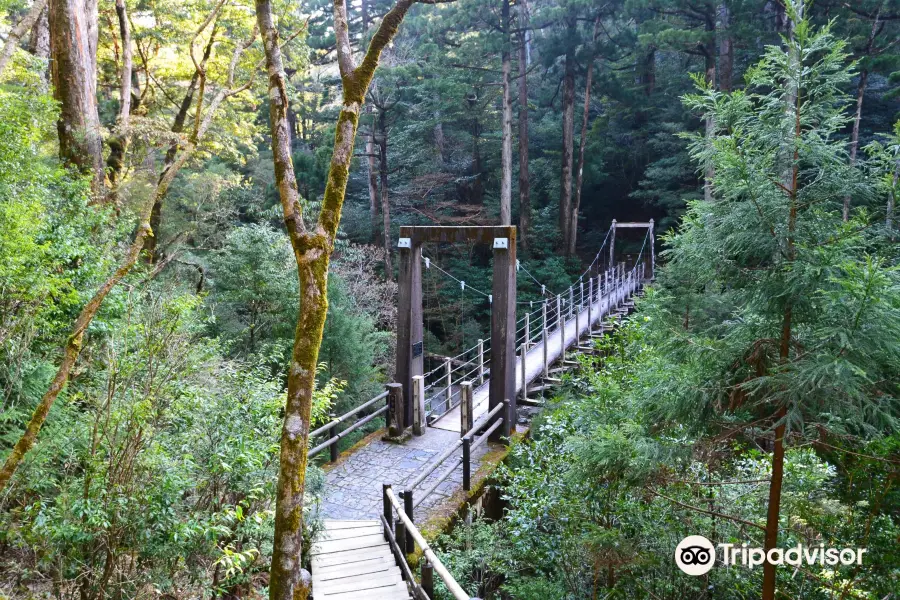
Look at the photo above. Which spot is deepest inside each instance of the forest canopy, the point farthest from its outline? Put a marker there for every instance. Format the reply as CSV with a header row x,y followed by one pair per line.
x,y
200,204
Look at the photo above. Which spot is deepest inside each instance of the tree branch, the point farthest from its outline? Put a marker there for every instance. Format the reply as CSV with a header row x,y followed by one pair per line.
x,y
23,26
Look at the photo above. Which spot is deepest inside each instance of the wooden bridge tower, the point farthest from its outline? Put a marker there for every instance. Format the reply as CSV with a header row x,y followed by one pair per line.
x,y
410,328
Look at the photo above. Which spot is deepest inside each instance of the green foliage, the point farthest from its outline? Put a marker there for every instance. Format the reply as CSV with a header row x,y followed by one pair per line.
x,y
167,450
51,254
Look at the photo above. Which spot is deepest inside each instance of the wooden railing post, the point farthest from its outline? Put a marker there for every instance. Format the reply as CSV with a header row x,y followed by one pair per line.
x,y
480,362
467,463
400,535
333,448
507,428
577,326
544,339
466,418
523,352
590,327
561,325
527,327
612,245
427,576
395,413
418,386
388,509
448,393
408,509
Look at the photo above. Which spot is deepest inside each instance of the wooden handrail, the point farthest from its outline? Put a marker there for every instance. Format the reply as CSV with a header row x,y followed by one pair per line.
x,y
440,569
335,439
347,415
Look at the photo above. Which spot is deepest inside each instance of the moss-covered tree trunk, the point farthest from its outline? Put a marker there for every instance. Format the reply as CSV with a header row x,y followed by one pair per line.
x,y
118,143
506,121
312,249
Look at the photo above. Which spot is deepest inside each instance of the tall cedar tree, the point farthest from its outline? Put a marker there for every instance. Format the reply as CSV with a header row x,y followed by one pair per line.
x,y
778,311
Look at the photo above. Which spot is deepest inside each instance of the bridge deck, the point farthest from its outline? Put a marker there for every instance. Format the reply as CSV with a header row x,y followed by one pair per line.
x,y
534,358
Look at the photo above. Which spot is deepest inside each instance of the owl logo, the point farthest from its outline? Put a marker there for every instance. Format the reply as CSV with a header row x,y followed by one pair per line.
x,y
695,555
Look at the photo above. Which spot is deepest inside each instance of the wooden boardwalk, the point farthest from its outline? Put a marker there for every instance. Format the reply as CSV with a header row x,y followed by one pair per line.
x,y
352,561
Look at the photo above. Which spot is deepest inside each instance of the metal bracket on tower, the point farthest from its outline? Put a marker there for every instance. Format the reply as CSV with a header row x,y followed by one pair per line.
x,y
501,243
405,243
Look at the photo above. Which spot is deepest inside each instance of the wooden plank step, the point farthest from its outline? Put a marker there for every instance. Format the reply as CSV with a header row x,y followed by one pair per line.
x,y
358,582
373,565
341,558
331,524
342,534
397,592
355,543
371,583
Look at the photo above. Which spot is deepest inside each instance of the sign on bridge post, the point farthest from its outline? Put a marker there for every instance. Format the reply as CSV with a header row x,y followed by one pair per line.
x,y
503,331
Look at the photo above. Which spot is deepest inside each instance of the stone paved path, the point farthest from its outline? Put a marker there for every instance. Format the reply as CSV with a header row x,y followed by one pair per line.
x,y
353,487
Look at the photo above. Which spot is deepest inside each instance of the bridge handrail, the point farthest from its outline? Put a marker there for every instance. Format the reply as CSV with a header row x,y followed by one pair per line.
x,y
336,436
492,420
391,504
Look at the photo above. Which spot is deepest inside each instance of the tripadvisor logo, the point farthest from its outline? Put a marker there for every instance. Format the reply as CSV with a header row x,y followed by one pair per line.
x,y
696,555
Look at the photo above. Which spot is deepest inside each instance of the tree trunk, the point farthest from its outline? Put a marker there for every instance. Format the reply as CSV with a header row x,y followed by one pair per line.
x,y
73,70
524,190
892,202
650,71
726,49
709,172
854,136
476,192
440,141
312,249
773,513
579,171
506,123
385,203
372,181
39,45
860,93
152,242
370,146
23,27
568,142
118,144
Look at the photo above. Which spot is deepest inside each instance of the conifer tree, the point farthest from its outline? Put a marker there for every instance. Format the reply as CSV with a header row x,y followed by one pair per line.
x,y
785,323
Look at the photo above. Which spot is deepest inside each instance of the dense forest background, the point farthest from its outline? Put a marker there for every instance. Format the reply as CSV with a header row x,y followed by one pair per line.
x,y
140,129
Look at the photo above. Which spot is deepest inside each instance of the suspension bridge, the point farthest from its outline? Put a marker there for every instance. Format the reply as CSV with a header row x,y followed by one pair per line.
x,y
441,425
